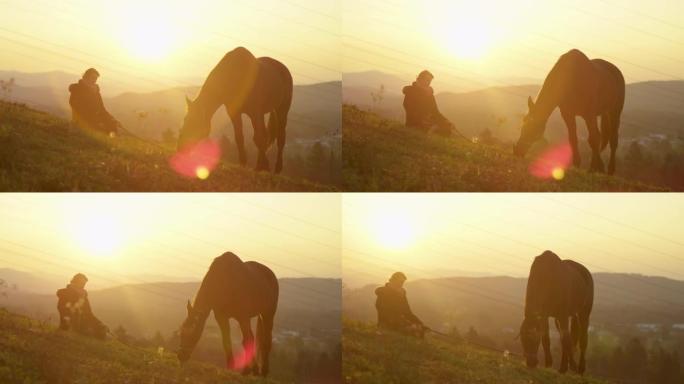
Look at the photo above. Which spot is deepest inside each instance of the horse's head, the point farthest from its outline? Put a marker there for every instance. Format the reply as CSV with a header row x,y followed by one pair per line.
x,y
190,332
532,130
196,125
530,338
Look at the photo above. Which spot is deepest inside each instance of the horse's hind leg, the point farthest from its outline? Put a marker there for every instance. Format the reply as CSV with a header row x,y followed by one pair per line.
x,y
261,141
265,336
248,346
614,127
239,138
595,143
565,344
583,341
546,344
574,338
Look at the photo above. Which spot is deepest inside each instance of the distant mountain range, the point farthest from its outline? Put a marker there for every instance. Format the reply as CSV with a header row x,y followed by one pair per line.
x,y
651,107
315,112
143,309
496,303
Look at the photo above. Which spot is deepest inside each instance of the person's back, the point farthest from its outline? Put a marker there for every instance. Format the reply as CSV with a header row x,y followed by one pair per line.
x,y
74,309
420,105
87,107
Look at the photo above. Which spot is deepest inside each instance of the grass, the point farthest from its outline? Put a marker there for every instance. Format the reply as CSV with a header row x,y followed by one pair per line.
x,y
383,155
33,352
41,152
390,358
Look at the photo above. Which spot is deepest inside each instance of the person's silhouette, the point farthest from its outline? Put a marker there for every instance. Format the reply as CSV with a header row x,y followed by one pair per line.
x,y
74,309
394,312
420,105
87,108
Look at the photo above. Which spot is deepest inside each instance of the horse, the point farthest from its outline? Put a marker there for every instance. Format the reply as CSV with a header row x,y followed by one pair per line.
x,y
243,84
240,290
579,87
564,290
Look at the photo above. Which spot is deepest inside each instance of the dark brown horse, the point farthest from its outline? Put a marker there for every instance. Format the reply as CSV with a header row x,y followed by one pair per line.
x,y
240,290
564,290
243,84
579,87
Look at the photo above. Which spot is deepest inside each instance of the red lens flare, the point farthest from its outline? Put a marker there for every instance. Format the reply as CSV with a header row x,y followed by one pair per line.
x,y
552,163
244,358
197,161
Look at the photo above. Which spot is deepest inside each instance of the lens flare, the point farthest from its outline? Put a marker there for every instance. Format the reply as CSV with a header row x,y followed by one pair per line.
x,y
197,161
244,358
552,163
202,173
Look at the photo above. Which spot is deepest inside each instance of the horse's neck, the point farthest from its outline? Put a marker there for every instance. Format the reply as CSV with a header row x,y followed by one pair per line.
x,y
203,303
208,101
550,94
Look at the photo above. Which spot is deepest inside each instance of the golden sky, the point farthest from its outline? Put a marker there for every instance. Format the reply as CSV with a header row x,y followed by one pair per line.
x,y
151,44
177,235
431,235
463,42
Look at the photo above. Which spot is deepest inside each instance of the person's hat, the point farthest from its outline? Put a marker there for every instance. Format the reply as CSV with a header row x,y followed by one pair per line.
x,y
398,276
426,74
79,277
90,71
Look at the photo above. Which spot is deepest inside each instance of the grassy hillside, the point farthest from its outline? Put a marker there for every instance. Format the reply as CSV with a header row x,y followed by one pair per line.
x,y
41,152
383,155
370,357
31,352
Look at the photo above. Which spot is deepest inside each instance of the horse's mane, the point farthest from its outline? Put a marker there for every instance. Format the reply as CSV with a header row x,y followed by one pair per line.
x,y
239,68
556,81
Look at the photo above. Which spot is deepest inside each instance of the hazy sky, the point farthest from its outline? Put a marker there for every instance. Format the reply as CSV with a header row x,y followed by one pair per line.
x,y
156,44
108,236
464,41
429,235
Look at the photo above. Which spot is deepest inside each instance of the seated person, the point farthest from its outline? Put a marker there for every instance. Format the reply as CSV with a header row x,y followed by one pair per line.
x,y
87,107
74,309
393,308
421,107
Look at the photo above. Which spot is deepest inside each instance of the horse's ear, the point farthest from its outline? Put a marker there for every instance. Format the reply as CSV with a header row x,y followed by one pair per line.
x,y
188,102
189,307
530,103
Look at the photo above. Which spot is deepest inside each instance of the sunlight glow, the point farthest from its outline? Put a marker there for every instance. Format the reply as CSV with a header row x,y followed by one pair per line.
x,y
465,31
394,230
147,30
99,231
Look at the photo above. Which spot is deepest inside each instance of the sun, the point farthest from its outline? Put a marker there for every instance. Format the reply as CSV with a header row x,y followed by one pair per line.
x,y
394,229
100,230
148,31
465,31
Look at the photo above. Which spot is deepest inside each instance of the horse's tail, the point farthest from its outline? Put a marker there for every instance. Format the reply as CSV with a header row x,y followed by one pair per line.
x,y
277,121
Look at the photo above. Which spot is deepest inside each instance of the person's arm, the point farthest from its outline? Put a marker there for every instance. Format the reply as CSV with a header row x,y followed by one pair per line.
x,y
435,114
407,313
101,110
88,312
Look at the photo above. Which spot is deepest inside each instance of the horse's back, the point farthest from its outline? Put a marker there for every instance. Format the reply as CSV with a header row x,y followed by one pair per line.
x,y
275,76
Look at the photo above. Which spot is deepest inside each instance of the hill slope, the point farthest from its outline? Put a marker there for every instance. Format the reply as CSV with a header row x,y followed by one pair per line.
x,y
370,357
41,152
31,352
383,155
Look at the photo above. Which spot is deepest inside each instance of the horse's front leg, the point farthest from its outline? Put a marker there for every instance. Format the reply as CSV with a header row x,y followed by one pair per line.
x,y
236,119
261,141
224,326
248,347
565,343
546,344
595,143
571,123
